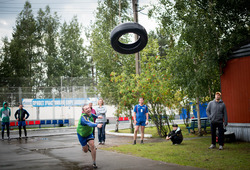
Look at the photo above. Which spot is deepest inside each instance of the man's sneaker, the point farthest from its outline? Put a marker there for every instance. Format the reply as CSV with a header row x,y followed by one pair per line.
x,y
220,147
89,148
94,166
8,138
142,142
212,146
103,143
2,139
99,143
20,137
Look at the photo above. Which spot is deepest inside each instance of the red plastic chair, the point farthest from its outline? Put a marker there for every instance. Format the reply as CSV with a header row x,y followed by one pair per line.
x,y
126,118
12,123
37,122
120,118
31,122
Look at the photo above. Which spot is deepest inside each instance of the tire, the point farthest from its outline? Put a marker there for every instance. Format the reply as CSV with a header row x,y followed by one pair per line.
x,y
128,27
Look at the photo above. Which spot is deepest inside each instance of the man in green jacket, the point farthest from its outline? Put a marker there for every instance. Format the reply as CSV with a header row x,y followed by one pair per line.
x,y
85,132
5,115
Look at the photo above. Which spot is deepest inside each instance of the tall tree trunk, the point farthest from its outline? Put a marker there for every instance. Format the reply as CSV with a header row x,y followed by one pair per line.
x,y
117,124
198,116
131,121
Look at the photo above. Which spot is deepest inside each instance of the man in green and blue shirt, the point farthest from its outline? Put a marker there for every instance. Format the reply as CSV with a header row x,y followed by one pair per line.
x,y
5,113
85,132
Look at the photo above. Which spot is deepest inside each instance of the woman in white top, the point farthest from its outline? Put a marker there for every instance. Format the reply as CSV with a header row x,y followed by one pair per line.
x,y
101,111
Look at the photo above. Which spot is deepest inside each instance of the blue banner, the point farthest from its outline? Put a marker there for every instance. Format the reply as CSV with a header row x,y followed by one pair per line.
x,y
61,102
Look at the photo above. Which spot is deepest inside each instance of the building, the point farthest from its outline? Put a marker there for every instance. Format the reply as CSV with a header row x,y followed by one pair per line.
x,y
235,88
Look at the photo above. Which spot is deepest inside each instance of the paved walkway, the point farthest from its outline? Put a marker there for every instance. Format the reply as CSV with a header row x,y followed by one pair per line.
x,y
60,149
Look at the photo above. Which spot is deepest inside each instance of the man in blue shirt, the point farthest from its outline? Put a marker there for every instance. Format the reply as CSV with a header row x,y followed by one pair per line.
x,y
140,118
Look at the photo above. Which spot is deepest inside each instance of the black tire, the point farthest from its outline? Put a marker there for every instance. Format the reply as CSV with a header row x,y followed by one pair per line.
x,y
128,27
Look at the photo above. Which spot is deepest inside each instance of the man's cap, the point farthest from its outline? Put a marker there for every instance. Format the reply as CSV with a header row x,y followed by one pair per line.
x,y
219,93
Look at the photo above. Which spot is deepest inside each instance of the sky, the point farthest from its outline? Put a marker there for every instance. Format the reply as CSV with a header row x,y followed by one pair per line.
x,y
83,9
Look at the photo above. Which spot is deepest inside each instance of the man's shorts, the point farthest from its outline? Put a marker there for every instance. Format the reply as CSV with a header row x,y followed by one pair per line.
x,y
5,123
84,140
140,123
21,123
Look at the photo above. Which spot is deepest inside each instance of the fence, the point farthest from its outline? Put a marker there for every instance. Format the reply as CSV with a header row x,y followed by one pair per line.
x,y
60,102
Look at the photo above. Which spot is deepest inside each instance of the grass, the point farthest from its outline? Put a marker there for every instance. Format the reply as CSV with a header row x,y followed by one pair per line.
x,y
153,131
193,152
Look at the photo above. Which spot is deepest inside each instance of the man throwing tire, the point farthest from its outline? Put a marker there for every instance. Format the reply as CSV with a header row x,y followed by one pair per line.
x,y
140,119
85,132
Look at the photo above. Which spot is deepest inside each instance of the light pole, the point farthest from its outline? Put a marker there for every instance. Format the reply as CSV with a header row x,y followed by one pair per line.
x,y
137,55
61,99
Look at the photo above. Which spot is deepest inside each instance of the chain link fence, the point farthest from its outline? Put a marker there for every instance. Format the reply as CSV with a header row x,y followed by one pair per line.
x,y
70,87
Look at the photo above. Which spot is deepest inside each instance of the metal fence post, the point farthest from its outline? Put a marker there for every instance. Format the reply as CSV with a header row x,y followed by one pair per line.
x,y
20,95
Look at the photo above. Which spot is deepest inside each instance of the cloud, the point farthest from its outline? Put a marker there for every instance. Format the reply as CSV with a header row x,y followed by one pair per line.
x,y
83,9
3,22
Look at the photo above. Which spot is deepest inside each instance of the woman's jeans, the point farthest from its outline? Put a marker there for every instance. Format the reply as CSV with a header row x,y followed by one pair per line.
x,y
101,133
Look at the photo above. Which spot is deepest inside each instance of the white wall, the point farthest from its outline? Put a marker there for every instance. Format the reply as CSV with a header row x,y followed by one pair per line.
x,y
65,113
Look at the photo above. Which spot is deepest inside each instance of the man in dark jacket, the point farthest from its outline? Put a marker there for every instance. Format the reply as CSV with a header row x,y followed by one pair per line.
x,y
20,116
175,135
217,114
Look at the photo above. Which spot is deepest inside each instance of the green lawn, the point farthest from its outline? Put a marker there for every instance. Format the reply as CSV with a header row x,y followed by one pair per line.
x,y
192,152
153,131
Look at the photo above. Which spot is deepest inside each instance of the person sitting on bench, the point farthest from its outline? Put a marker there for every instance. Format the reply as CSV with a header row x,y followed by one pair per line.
x,y
175,135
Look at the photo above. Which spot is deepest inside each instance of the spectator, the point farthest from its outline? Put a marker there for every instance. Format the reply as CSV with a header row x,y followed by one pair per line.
x,y
140,119
217,114
101,111
93,112
175,135
20,116
5,113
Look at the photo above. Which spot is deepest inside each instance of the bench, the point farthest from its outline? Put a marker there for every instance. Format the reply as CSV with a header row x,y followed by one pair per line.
x,y
125,118
39,123
194,124
66,121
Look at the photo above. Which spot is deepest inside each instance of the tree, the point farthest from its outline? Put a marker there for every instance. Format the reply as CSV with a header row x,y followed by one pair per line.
x,y
72,52
105,59
48,26
21,56
203,32
153,84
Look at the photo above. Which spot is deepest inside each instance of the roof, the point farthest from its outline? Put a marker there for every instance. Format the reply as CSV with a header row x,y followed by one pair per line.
x,y
241,51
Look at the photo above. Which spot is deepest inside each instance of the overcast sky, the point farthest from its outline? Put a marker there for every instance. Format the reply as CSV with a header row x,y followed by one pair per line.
x,y
84,9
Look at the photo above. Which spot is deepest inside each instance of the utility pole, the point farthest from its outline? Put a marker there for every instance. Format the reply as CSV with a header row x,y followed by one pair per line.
x,y
137,55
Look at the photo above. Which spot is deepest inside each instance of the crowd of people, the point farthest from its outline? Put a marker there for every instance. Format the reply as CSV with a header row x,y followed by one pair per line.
x,y
91,118
21,115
